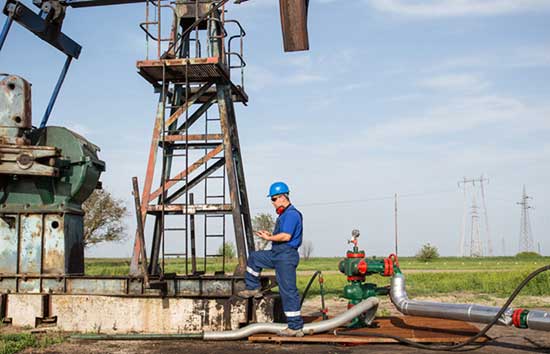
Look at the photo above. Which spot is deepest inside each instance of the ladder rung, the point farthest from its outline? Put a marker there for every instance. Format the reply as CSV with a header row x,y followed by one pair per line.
x,y
212,119
174,254
175,229
214,255
214,235
215,196
190,208
214,177
175,155
214,216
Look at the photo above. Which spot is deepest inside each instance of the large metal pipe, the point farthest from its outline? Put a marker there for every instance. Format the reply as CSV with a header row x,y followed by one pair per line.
x,y
520,318
368,307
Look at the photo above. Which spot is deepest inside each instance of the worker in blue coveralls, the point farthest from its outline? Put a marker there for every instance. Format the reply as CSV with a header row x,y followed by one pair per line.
x,y
283,257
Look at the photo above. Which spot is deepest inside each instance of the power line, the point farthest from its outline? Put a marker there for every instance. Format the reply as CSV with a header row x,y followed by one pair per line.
x,y
364,200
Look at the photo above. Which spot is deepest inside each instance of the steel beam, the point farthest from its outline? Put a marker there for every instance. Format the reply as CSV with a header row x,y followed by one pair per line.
x,y
48,32
55,92
294,24
5,31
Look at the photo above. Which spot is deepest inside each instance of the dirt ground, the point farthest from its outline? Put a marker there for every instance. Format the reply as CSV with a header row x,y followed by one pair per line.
x,y
505,340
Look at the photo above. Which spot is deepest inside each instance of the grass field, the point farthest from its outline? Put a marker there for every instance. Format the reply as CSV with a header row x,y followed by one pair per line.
x,y
15,342
497,276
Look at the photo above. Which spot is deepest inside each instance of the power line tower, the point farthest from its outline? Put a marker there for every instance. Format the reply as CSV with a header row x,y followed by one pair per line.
x,y
476,247
525,236
474,244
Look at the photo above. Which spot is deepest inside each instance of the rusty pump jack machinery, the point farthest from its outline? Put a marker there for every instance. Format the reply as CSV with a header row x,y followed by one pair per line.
x,y
48,172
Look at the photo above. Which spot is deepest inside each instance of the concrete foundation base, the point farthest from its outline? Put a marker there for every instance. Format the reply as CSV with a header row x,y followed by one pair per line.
x,y
127,314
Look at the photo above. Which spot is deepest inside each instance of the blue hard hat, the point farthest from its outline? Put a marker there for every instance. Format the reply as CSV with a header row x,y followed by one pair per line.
x,y
278,188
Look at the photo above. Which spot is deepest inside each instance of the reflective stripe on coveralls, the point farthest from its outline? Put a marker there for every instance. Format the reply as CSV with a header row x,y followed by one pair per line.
x,y
284,260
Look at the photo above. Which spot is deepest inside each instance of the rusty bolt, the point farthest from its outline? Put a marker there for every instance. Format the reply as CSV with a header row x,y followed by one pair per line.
x,y
25,160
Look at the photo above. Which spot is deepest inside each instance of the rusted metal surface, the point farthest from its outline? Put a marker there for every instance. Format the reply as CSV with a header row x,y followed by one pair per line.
x,y
15,110
147,185
416,329
30,256
197,69
140,231
9,224
27,160
238,161
191,209
184,107
225,106
96,286
180,176
193,236
294,24
54,245
178,286
194,79
40,244
193,137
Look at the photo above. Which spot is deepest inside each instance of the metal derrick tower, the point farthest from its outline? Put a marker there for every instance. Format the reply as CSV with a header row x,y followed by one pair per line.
x,y
526,243
195,143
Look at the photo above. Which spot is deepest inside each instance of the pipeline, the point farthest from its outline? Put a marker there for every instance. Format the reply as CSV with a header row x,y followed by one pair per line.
x,y
520,318
367,307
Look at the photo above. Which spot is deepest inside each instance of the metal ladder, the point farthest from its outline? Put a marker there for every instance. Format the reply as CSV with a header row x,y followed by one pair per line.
x,y
221,198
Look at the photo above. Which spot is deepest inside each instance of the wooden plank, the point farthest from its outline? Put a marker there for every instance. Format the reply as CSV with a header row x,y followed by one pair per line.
x,y
416,329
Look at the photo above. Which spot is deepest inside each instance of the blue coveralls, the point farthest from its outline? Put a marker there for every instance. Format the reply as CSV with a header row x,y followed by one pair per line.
x,y
284,258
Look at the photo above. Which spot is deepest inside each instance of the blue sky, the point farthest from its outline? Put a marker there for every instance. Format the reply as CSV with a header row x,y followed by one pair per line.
x,y
394,96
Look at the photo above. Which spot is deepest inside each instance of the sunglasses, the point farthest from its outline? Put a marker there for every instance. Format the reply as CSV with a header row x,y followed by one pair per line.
x,y
275,198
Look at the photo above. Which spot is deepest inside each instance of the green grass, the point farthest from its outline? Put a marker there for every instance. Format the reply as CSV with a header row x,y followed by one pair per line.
x,y
500,284
13,343
443,263
497,276
121,266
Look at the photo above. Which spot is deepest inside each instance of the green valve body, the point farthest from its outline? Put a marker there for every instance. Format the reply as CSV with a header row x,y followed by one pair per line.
x,y
356,267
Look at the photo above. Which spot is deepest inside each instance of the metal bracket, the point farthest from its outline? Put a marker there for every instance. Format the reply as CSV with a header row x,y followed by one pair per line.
x,y
49,32
46,319
4,309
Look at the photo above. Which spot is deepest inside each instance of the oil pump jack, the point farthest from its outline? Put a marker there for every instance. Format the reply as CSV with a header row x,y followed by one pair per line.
x,y
48,172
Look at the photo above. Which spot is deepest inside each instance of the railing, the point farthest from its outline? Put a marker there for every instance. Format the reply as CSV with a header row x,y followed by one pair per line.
x,y
181,43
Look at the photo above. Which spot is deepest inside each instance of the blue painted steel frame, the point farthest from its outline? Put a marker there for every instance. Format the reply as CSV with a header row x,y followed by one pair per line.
x,y
41,28
5,31
55,92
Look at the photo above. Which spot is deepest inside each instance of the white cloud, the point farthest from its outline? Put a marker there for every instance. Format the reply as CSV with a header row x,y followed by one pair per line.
x,y
459,116
461,82
451,8
519,57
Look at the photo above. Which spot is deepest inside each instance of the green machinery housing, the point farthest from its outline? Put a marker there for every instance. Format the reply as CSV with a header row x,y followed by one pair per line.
x,y
45,176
